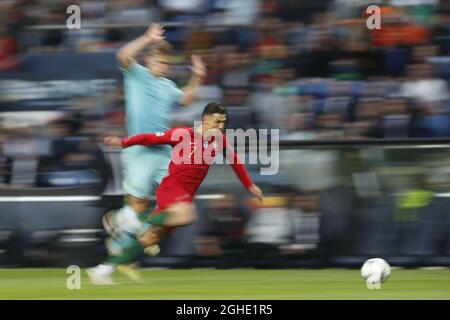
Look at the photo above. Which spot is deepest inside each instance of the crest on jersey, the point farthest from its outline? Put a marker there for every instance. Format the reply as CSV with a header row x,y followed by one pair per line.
x,y
159,134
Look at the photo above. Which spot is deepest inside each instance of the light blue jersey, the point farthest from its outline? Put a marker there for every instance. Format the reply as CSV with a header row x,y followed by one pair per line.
x,y
148,101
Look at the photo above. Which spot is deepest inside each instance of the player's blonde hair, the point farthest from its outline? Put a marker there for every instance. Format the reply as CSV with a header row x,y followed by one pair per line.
x,y
161,47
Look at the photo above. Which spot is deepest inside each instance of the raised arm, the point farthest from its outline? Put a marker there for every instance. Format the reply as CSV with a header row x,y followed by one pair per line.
x,y
198,74
130,51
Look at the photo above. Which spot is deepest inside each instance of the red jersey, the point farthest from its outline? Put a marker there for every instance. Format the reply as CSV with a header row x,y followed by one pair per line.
x,y
192,156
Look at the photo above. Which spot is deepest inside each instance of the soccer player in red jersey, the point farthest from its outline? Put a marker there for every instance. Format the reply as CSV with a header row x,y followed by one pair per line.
x,y
194,150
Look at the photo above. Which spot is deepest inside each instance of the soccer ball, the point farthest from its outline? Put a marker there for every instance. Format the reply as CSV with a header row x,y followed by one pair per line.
x,y
376,270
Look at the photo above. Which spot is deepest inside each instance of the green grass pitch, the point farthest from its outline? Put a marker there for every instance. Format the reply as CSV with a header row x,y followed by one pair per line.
x,y
210,284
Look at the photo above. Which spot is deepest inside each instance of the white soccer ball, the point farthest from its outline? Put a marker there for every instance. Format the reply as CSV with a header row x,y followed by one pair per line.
x,y
376,270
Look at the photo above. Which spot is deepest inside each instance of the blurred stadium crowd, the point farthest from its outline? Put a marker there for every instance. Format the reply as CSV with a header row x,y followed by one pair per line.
x,y
309,68
313,70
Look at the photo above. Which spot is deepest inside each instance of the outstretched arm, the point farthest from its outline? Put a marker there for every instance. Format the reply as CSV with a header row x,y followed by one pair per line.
x,y
143,139
128,53
198,74
242,173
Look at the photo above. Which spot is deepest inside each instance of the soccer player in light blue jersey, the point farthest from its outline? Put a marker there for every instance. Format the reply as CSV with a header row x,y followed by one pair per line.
x,y
149,96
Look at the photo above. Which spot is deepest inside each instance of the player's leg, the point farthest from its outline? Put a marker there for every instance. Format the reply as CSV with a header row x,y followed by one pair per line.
x,y
136,218
134,222
130,224
168,215
139,167
177,215
124,248
143,171
174,215
131,252
152,236
133,249
120,256
100,275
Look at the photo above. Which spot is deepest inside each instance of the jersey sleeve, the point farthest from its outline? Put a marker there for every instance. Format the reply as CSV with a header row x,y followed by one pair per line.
x,y
176,93
134,71
150,139
237,165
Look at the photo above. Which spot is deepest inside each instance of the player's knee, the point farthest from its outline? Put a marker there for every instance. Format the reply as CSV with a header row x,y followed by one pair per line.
x,y
191,215
186,214
192,218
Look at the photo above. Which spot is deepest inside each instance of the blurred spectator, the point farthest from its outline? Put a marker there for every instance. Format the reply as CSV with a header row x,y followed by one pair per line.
x,y
429,97
441,33
235,12
269,223
304,72
398,29
365,124
130,11
9,60
423,88
11,23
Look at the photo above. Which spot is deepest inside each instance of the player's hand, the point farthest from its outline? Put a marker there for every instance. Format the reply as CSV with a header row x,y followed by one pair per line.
x,y
198,68
256,191
113,141
155,32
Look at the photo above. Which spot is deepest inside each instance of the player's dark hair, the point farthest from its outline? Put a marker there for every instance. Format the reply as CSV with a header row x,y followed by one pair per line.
x,y
213,107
